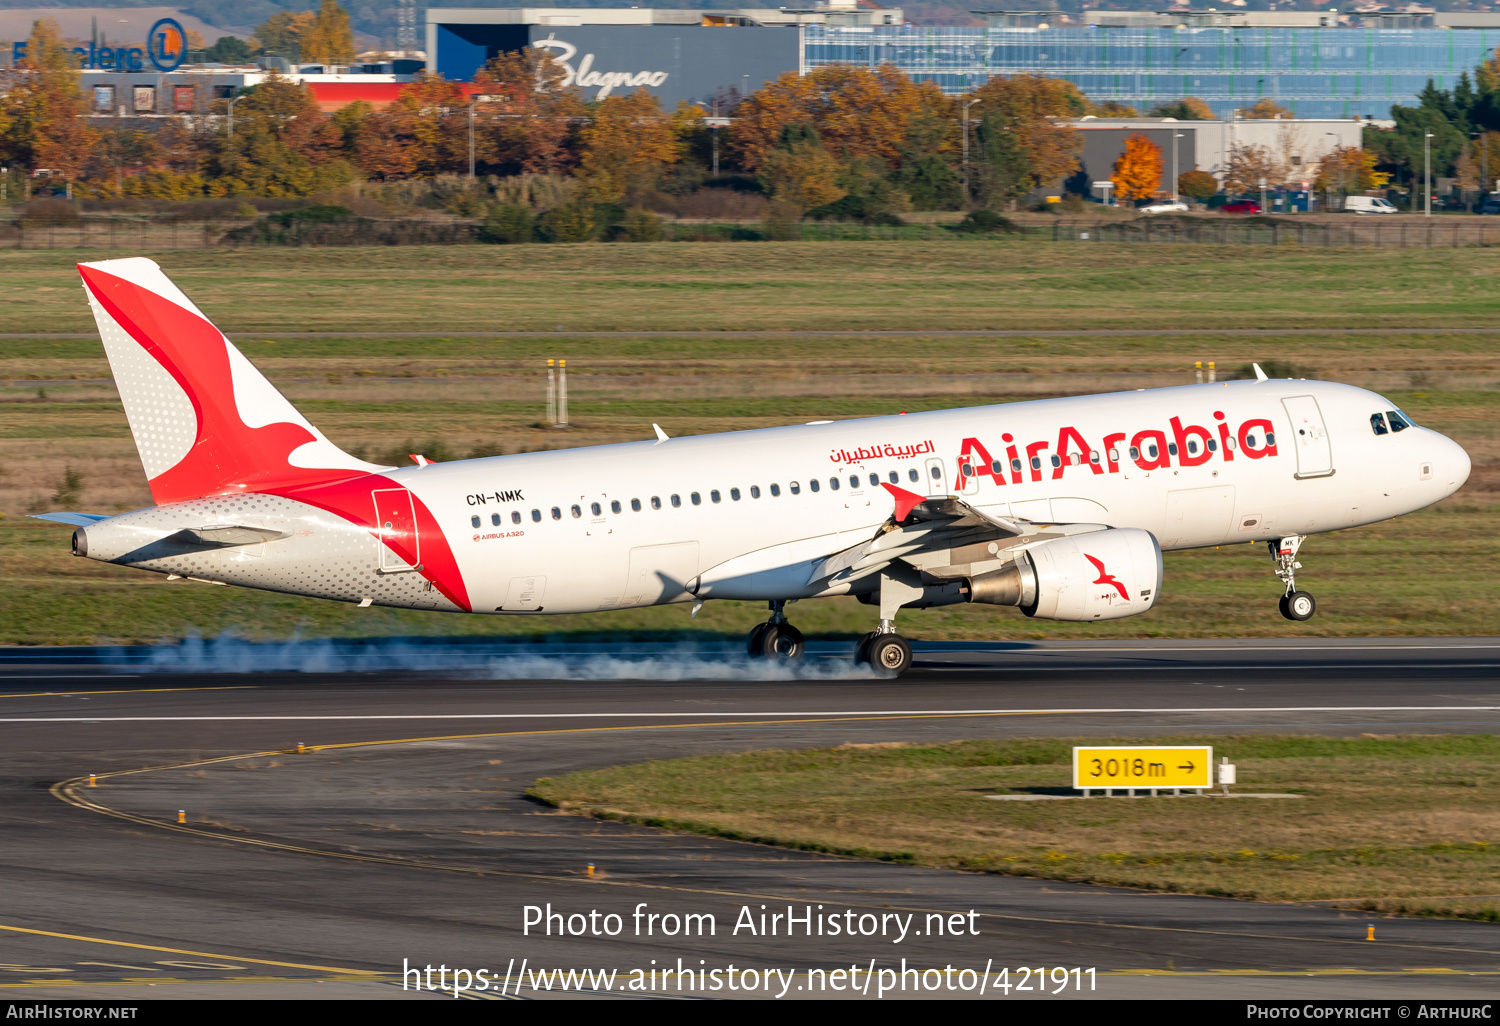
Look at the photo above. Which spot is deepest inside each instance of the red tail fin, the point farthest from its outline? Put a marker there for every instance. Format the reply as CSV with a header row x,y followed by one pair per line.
x,y
205,420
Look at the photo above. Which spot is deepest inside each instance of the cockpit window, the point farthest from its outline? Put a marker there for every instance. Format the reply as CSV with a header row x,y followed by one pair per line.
x,y
1399,420
1377,424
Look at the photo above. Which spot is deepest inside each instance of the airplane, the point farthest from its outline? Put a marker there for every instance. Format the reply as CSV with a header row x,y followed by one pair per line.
x,y
1061,507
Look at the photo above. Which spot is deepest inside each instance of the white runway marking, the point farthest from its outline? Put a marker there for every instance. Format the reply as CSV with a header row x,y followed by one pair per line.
x,y
755,715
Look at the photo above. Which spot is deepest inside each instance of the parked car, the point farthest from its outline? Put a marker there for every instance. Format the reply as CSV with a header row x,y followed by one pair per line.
x,y
1369,205
1241,207
1491,206
1163,207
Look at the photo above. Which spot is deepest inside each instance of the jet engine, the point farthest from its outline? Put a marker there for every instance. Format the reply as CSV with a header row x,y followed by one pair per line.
x,y
1098,576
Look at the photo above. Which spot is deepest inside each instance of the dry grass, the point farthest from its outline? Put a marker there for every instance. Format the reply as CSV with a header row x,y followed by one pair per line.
x,y
1387,820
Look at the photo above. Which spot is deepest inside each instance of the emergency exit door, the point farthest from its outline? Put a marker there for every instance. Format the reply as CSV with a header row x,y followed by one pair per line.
x,y
396,526
1309,437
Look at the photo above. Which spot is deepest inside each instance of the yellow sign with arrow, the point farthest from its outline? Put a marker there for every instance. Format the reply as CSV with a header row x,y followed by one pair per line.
x,y
1167,766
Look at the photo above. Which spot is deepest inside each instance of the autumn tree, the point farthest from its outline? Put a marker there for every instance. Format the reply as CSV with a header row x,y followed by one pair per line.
x,y
627,142
424,132
799,173
1266,109
1199,185
1189,108
855,111
1113,109
1348,170
282,32
1034,109
329,40
283,145
531,123
42,108
1248,165
1137,172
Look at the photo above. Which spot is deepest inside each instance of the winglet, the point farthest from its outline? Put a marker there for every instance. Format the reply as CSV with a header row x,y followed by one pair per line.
x,y
905,501
419,460
661,436
1260,375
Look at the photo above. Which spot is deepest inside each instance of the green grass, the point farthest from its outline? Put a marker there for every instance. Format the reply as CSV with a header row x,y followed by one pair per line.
x,y
1377,819
1000,283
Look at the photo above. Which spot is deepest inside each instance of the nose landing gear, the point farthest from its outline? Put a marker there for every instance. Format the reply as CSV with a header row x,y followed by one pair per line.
x,y
1294,605
776,639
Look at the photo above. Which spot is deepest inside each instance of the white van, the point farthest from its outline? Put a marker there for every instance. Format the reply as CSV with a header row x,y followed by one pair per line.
x,y
1368,205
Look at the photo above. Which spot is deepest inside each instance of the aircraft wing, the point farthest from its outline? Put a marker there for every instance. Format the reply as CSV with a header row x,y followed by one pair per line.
x,y
942,537
76,519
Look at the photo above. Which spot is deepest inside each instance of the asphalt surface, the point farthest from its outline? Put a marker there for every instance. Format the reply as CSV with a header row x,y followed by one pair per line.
x,y
402,834
794,333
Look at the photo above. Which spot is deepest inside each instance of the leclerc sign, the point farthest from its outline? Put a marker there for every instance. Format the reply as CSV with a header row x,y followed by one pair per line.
x,y
166,47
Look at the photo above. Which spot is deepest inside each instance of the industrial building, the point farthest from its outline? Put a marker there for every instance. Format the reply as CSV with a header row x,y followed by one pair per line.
x,y
1317,64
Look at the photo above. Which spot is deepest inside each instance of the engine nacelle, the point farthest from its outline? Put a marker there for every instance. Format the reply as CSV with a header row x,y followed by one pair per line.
x,y
1103,575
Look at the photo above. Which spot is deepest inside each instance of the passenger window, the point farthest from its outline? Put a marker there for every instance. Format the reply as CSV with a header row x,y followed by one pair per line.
x,y
895,477
515,516
1229,445
1075,459
1094,456
495,519
676,501
795,488
536,516
556,513
614,506
714,495
1151,451
775,490
1015,464
995,467
594,507
1135,453
1213,446
913,475
937,472
1114,455
833,483
734,493
1398,420
635,505
1250,442
697,499
1056,461
853,480
1171,448
874,480
755,491
814,485
474,521
1192,446
1270,438
656,502
1036,463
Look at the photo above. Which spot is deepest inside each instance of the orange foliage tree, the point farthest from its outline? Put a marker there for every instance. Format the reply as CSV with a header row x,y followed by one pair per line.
x,y
41,107
628,142
530,124
1137,172
424,132
856,112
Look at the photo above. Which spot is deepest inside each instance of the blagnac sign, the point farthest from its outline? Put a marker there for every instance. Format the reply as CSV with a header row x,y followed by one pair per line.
x,y
584,77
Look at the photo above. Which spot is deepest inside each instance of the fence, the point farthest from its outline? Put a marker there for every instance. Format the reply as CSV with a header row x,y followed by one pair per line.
x,y
134,234
1352,232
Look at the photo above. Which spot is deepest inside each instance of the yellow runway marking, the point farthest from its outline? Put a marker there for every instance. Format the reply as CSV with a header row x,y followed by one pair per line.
x,y
180,951
66,791
130,691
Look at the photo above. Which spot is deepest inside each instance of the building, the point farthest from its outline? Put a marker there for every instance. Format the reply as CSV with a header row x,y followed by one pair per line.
x,y
1206,145
192,88
1316,64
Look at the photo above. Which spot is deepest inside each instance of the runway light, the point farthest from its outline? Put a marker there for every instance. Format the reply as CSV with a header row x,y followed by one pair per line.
x,y
91,780
590,872
181,816
301,748
1370,932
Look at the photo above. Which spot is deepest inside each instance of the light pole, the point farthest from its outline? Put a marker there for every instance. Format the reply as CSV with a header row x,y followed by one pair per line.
x,y
1175,136
1427,172
1484,164
967,105
714,124
232,101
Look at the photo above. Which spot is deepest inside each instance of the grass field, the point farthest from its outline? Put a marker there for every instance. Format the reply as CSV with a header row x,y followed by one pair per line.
x,y
1394,823
1431,573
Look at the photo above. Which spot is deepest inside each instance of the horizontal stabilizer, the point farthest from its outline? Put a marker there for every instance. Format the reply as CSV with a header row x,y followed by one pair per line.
x,y
76,519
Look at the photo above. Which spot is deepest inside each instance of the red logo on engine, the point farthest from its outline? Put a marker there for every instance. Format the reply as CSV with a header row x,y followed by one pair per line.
x,y
1105,577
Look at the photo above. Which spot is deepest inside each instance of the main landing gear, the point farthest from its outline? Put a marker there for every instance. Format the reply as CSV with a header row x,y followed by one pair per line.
x,y
776,639
888,653
1295,605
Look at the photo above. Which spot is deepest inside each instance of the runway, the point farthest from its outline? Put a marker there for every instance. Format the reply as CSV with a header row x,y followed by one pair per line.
x,y
402,830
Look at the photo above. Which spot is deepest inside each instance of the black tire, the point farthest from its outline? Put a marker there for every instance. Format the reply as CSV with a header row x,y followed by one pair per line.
x,y
889,655
754,644
862,650
783,643
1281,605
1300,605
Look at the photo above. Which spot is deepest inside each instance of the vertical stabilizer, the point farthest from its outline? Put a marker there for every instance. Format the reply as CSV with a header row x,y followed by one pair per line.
x,y
205,420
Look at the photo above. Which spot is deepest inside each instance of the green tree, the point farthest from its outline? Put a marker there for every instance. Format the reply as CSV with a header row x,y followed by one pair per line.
x,y
229,50
1189,108
798,173
1000,172
1198,185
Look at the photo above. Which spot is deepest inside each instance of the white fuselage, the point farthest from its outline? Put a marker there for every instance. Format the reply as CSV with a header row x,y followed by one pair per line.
x,y
617,526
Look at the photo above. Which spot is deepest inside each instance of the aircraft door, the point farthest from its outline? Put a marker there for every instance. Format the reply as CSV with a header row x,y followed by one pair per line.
x,y
1314,452
396,524
937,478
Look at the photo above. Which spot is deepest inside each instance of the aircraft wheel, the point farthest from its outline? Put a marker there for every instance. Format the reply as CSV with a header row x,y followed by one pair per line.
x,y
755,643
889,655
782,642
1299,605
